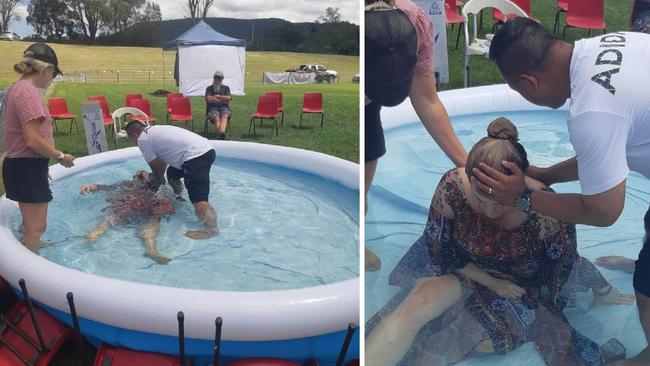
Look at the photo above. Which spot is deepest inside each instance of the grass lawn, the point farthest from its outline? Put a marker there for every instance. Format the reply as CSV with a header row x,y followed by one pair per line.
x,y
339,136
100,62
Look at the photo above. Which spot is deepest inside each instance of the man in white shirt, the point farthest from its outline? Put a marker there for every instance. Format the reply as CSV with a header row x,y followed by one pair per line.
x,y
607,79
183,154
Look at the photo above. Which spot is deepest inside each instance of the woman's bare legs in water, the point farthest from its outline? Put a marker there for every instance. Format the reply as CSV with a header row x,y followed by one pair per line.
x,y
34,224
394,335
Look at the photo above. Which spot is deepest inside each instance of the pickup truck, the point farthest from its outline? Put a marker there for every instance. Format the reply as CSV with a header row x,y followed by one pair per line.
x,y
322,73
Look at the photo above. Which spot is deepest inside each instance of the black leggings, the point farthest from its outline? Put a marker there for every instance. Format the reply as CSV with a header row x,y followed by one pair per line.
x,y
642,268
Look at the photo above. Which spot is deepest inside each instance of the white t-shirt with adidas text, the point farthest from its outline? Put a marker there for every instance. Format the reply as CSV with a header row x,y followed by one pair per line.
x,y
609,112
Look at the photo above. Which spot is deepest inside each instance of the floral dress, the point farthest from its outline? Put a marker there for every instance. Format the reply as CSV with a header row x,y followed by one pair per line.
x,y
134,202
540,256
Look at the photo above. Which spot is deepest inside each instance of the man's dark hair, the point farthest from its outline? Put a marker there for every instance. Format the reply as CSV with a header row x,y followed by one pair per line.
x,y
520,46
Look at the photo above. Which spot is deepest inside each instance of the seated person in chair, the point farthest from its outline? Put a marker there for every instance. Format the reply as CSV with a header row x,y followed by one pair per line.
x,y
217,97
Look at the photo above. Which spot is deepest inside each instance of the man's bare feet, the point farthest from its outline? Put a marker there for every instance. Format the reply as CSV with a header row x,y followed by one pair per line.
x,y
616,262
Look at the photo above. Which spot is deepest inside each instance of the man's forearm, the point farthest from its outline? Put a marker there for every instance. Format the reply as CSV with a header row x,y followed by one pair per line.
x,y
158,168
570,207
566,171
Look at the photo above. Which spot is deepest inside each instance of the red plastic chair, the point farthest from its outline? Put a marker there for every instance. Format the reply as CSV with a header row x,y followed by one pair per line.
x,y
106,111
586,14
143,105
181,110
130,97
171,96
109,356
267,108
313,103
97,97
18,327
278,95
59,111
562,7
523,4
452,17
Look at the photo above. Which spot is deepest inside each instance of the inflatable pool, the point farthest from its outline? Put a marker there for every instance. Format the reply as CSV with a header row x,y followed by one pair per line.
x,y
294,322
411,169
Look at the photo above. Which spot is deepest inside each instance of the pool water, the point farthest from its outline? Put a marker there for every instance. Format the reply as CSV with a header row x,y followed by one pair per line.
x,y
280,229
408,175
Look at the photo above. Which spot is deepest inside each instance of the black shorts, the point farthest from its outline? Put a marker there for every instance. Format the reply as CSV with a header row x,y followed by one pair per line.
x,y
26,180
642,268
375,143
196,175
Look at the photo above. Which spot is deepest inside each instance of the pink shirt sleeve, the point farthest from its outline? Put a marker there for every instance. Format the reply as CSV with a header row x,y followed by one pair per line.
x,y
424,28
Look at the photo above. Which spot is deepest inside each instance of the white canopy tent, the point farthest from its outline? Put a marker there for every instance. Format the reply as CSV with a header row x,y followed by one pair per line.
x,y
201,51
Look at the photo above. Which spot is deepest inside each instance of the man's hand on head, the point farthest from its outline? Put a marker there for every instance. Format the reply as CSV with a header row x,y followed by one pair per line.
x,y
500,187
154,183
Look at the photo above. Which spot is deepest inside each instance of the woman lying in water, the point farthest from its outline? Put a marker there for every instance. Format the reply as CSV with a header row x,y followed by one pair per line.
x,y
488,278
134,203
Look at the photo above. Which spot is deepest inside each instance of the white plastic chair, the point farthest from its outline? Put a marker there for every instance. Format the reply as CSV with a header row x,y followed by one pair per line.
x,y
479,46
118,129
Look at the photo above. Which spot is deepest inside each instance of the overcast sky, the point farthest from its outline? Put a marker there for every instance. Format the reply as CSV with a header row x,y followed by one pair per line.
x,y
291,10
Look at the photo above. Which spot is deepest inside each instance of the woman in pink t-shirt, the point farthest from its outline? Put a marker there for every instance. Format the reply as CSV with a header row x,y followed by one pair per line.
x,y
29,142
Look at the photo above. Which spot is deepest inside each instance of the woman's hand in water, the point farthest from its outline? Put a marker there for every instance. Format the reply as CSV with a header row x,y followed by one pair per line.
x,y
507,289
87,189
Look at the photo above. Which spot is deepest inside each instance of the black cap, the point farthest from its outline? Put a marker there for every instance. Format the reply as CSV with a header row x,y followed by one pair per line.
x,y
45,53
131,123
391,56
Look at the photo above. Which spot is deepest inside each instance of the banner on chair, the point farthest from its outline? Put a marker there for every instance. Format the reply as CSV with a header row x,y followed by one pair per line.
x,y
289,78
436,11
94,128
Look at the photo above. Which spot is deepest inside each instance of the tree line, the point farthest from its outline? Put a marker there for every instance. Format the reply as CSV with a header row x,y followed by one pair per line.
x,y
139,23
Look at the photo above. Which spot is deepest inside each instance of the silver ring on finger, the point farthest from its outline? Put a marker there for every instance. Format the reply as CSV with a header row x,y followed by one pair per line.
x,y
490,191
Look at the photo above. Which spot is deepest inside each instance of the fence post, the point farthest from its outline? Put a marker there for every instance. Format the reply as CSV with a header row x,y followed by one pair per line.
x,y
117,72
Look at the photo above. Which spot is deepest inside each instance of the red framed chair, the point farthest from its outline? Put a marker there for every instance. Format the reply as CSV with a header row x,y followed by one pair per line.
x,y
585,14
267,108
21,342
452,17
97,97
59,111
313,103
130,97
181,111
144,106
103,104
171,96
562,7
278,94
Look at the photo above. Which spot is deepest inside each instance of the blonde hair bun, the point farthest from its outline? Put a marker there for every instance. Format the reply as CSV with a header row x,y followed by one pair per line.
x,y
501,128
